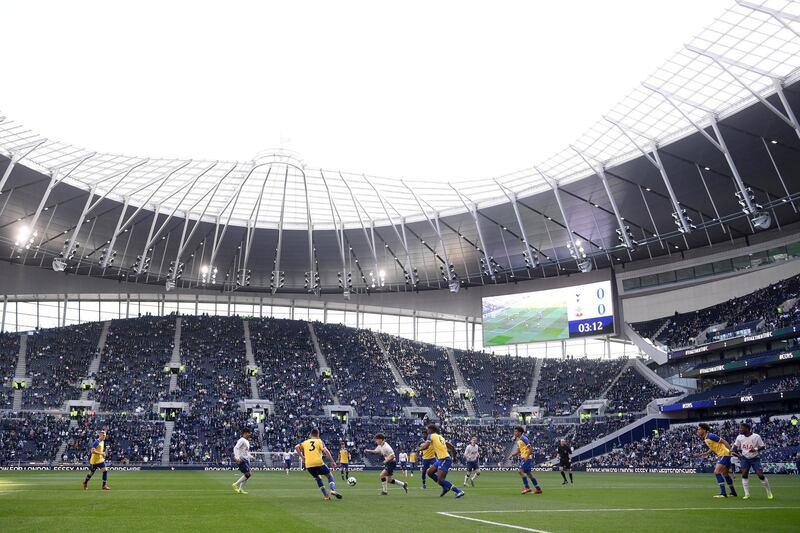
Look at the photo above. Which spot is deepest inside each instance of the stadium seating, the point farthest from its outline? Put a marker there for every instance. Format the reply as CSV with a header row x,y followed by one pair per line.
x,y
566,383
427,371
9,348
632,392
57,360
131,377
680,447
498,382
129,439
763,304
29,437
360,378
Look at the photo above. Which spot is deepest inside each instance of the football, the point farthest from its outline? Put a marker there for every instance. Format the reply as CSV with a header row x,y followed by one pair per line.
x,y
352,481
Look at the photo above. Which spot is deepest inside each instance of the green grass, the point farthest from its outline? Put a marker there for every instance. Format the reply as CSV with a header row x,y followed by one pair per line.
x,y
203,501
523,325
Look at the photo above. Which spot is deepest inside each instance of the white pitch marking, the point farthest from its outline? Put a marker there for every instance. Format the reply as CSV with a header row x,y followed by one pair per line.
x,y
632,509
501,524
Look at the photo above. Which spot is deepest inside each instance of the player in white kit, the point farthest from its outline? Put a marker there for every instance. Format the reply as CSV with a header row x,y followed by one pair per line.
x,y
389,464
747,446
403,456
241,454
471,455
287,461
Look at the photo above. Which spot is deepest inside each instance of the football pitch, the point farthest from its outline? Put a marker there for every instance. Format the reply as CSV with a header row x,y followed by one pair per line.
x,y
522,325
203,501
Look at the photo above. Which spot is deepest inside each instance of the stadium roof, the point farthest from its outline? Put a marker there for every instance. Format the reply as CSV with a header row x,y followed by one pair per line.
x,y
698,132
746,50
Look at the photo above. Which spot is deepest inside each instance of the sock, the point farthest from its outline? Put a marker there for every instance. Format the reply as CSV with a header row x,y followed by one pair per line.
x,y
424,475
241,481
466,478
721,483
729,481
765,484
446,485
89,476
535,483
398,482
105,478
525,482
385,485
570,477
746,486
563,476
332,482
321,486
434,477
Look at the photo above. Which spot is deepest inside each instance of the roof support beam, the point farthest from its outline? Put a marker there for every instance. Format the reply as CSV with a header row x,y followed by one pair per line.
x,y
338,229
408,269
723,63
683,222
369,237
56,177
781,16
488,267
746,198
575,247
624,231
778,172
18,156
313,286
276,272
448,271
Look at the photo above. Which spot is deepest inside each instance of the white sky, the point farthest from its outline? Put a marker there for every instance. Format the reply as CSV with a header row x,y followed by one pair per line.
x,y
439,90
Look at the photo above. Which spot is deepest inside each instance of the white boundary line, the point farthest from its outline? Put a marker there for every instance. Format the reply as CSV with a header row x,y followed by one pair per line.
x,y
489,522
629,509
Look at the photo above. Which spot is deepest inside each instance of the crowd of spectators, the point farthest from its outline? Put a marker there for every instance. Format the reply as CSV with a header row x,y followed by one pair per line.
x,y
632,392
214,362
590,430
131,376
565,383
289,368
31,437
680,447
761,305
57,361
360,377
498,382
129,439
426,369
9,349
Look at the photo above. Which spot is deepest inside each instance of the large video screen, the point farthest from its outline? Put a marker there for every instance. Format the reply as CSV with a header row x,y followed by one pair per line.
x,y
548,315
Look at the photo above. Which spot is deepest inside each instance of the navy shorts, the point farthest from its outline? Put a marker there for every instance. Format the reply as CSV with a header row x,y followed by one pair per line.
x,y
288,463
321,470
725,461
403,465
525,465
427,463
94,467
754,463
444,464
345,465
244,466
472,465
389,466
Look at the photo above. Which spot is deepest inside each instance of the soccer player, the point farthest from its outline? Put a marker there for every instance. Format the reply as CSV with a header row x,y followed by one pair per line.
x,y
287,461
344,461
412,461
312,451
428,459
404,463
722,449
97,459
564,451
471,456
747,446
389,464
441,449
241,454
523,450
